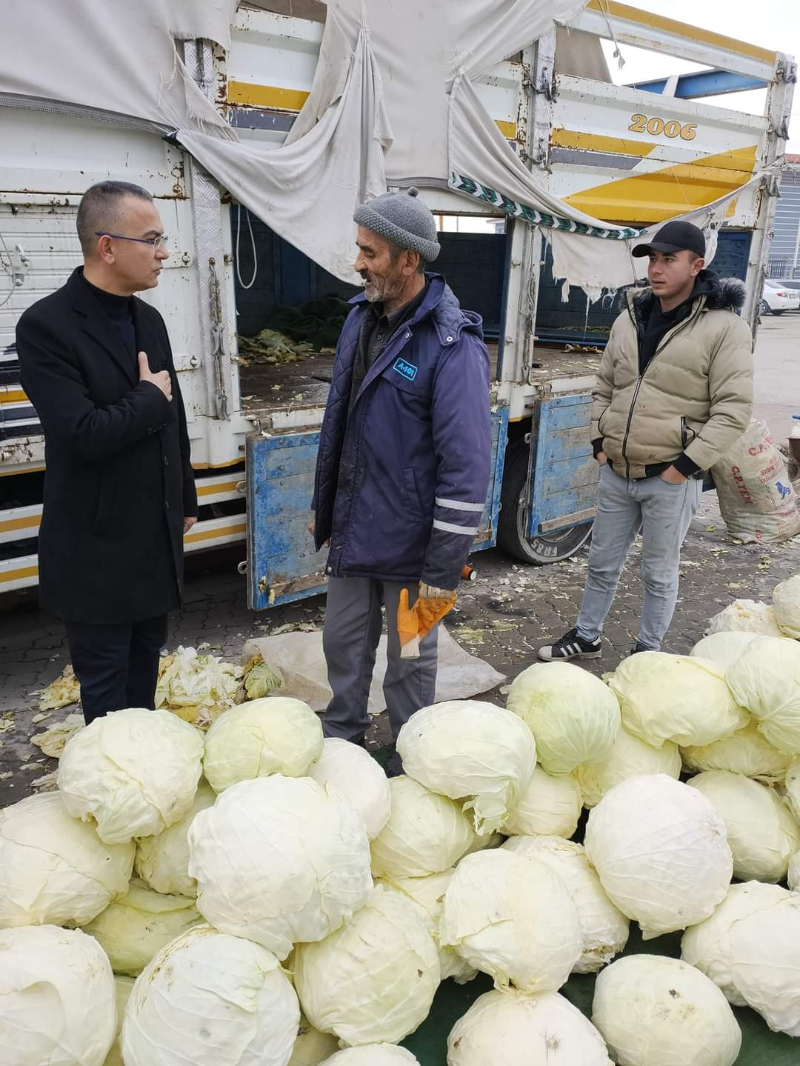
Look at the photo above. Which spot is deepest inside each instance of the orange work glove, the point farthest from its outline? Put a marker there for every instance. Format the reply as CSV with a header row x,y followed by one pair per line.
x,y
413,624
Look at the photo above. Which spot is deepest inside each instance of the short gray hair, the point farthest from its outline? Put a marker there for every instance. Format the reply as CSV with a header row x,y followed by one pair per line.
x,y
100,207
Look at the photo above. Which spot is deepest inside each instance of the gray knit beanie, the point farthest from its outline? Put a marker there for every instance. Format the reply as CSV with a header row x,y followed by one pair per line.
x,y
402,218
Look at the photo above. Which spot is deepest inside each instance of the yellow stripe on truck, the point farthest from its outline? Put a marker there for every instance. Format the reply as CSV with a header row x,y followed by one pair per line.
x,y
30,522
24,470
7,576
669,191
214,489
218,466
681,29
251,94
597,142
508,129
213,534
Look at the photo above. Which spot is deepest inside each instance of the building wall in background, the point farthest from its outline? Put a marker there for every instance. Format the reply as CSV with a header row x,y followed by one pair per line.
x,y
784,253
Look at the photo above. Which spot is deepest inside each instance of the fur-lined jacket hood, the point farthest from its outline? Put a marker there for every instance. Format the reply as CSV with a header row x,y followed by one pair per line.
x,y
721,294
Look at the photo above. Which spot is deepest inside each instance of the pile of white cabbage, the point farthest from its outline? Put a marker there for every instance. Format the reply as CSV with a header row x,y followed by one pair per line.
x,y
279,901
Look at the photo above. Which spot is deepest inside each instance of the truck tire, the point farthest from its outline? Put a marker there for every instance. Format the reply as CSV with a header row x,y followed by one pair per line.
x,y
511,536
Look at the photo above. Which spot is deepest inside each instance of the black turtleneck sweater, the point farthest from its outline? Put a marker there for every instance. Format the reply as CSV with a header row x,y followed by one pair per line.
x,y
119,310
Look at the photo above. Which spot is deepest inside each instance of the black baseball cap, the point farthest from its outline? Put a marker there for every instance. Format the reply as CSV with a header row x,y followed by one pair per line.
x,y
674,237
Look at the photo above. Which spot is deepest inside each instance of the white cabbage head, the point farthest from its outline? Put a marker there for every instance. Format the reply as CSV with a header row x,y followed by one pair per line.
x,y
651,1009
766,680
723,648
745,616
746,752
374,1055
55,870
630,757
429,892
792,786
765,963
138,925
162,861
278,861
525,1031
275,735
134,772
468,748
707,945
573,716
211,1000
311,1046
675,697
793,877
57,1002
512,918
786,604
604,928
763,834
550,805
425,833
660,851
374,979
123,986
350,773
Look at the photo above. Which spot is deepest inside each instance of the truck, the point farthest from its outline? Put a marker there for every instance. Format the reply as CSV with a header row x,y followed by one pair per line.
x,y
631,154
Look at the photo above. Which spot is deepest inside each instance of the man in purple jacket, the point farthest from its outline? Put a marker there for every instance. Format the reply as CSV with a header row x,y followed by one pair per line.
x,y
403,464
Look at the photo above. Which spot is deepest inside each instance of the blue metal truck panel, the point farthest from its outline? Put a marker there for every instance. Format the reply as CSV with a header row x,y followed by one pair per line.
x,y
565,474
282,564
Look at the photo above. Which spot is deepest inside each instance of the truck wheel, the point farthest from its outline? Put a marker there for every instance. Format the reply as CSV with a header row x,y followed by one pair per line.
x,y
548,548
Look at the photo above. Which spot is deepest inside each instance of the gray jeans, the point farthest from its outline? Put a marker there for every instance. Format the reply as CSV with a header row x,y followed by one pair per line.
x,y
353,625
663,513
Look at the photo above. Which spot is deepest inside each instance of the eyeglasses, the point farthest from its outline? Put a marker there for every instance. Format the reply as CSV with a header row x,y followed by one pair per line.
x,y
154,242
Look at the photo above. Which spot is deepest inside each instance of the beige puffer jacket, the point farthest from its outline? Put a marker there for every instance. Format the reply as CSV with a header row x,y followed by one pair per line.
x,y
696,394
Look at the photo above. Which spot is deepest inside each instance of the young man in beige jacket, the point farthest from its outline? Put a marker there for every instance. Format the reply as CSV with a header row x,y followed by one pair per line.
x,y
674,391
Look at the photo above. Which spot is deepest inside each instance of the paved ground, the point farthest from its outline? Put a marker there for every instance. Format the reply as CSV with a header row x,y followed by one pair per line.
x,y
503,617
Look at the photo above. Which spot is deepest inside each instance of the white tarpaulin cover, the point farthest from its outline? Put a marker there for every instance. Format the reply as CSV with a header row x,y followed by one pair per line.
x,y
393,102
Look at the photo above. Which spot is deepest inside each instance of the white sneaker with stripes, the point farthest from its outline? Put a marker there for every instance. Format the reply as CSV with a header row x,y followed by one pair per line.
x,y
570,646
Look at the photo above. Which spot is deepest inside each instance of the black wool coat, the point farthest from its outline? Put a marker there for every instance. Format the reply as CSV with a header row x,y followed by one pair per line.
x,y
119,479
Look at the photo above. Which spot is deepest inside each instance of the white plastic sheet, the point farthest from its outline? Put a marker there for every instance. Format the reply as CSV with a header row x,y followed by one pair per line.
x,y
299,659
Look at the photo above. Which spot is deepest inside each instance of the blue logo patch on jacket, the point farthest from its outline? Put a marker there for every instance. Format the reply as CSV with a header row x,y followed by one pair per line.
x,y
407,370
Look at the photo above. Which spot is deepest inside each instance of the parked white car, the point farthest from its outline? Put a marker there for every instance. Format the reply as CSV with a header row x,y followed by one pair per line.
x,y
777,298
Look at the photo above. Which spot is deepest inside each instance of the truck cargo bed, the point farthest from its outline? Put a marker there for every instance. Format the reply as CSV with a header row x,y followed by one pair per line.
x,y
268,388
271,387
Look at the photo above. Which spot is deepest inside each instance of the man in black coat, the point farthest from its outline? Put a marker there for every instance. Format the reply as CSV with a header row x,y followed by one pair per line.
x,y
119,489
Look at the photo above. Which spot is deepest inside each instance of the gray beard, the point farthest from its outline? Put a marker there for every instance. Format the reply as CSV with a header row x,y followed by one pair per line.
x,y
380,294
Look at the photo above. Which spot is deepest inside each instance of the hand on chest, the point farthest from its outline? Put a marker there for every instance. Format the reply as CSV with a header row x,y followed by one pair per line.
x,y
107,352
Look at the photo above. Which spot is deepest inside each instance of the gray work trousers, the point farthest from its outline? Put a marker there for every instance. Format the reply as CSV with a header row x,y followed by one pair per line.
x,y
350,638
663,513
